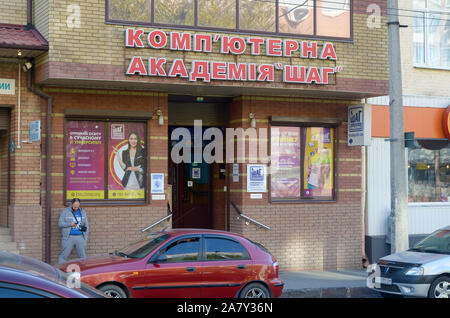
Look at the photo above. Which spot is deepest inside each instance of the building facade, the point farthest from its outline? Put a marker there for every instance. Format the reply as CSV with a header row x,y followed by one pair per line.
x,y
425,53
118,71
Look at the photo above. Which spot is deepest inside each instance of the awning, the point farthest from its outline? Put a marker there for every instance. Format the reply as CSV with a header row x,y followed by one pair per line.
x,y
18,37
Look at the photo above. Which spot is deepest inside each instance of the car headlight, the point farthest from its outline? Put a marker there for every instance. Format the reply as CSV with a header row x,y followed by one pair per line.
x,y
415,271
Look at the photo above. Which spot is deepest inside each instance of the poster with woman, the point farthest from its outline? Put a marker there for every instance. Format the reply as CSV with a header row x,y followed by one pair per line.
x,y
285,163
127,161
85,161
318,167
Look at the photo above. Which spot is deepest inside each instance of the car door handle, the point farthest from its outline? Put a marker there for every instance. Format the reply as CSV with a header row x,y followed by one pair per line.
x,y
241,266
190,269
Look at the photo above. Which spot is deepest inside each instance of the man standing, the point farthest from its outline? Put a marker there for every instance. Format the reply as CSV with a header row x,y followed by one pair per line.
x,y
75,230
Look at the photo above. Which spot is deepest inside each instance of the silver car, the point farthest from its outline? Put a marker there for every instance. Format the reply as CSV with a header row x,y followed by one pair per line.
x,y
423,271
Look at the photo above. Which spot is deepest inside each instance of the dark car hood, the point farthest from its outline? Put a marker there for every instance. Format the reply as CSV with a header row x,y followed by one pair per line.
x,y
106,262
412,257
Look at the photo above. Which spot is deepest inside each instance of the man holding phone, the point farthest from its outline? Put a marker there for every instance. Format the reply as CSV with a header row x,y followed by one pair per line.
x,y
75,230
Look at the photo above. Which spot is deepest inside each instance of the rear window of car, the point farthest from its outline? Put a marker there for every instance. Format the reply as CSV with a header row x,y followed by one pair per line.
x,y
219,248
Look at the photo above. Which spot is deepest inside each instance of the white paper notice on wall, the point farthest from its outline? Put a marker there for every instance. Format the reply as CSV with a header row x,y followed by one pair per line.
x,y
235,172
256,178
359,125
156,197
7,86
255,195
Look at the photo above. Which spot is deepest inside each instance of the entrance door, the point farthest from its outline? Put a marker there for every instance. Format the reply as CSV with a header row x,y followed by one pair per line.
x,y
193,204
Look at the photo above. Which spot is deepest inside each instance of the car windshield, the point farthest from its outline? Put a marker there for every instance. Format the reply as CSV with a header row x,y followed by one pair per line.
x,y
438,242
144,246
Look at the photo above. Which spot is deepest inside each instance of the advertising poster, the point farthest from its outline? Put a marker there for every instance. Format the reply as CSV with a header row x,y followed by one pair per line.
x,y
318,171
85,161
285,163
126,161
256,178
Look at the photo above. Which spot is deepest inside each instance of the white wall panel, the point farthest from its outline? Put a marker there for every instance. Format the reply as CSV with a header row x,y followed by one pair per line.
x,y
378,186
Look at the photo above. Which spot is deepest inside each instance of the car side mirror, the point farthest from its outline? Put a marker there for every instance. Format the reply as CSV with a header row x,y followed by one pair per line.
x,y
159,259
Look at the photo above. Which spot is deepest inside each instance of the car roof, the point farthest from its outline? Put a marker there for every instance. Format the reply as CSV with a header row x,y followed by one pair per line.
x,y
189,231
447,228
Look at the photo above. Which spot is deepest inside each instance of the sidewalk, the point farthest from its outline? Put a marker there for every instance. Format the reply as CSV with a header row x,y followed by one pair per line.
x,y
326,284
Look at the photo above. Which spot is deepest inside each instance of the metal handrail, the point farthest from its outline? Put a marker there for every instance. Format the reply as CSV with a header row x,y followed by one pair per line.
x,y
238,211
157,222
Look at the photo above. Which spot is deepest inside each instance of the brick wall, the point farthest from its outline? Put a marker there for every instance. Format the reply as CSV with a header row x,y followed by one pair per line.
x,y
303,236
24,210
13,12
95,51
416,80
4,143
111,227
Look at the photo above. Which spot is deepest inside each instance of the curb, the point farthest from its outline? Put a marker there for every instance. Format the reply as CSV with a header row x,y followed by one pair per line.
x,y
341,292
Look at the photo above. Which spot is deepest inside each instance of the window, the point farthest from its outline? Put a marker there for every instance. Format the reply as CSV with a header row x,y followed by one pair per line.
x,y
432,33
136,10
16,293
183,250
312,18
302,163
105,160
429,175
257,15
438,242
209,10
176,12
219,249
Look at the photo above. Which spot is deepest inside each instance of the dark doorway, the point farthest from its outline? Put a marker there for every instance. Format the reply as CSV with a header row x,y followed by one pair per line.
x,y
192,206
192,191
195,202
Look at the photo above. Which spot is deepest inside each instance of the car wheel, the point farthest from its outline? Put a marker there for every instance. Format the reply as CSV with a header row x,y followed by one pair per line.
x,y
113,291
255,290
440,288
387,295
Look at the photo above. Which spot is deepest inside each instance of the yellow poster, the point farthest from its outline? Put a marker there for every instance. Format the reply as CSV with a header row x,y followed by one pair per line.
x,y
318,167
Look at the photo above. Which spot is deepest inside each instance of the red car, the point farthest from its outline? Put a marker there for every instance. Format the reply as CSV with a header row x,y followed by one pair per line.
x,y
185,263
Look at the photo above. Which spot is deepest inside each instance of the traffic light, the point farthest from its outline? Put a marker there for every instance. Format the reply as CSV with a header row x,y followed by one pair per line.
x,y
409,139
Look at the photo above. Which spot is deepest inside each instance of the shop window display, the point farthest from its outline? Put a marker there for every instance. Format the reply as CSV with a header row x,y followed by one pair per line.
x,y
302,163
429,175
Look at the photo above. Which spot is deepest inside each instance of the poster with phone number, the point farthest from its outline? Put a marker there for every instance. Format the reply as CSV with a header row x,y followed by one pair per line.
x,y
285,162
126,161
85,161
318,167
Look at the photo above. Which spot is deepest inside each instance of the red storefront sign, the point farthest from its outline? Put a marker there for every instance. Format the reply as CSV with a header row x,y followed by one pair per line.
x,y
236,45
446,122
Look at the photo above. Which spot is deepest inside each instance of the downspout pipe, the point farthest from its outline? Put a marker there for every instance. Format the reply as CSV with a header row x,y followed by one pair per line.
x,y
29,15
48,162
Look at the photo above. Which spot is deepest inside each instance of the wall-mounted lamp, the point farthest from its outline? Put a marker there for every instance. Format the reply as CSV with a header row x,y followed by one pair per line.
x,y
19,53
200,99
160,117
27,66
252,120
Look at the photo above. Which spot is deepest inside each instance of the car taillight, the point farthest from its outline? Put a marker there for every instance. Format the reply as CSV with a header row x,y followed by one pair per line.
x,y
275,268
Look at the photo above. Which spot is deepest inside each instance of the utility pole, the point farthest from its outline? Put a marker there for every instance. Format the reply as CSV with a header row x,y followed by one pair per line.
x,y
398,220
